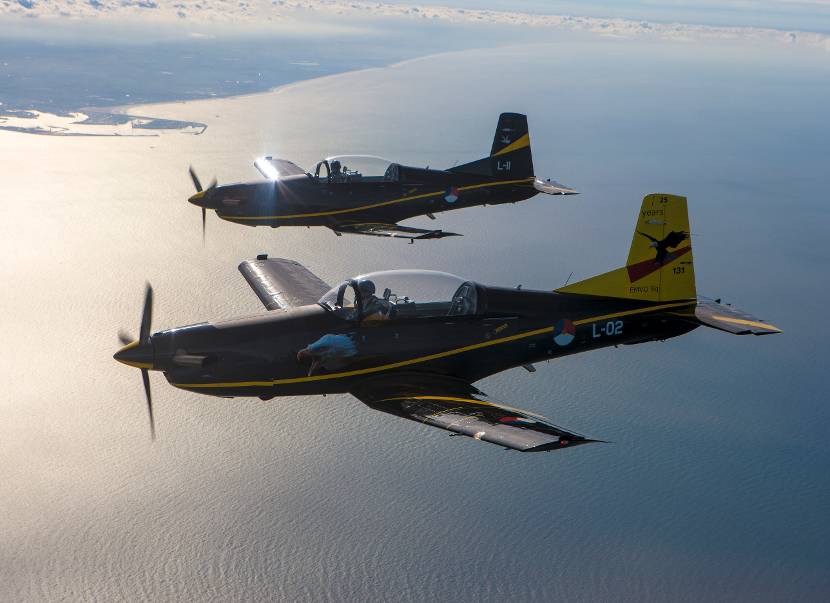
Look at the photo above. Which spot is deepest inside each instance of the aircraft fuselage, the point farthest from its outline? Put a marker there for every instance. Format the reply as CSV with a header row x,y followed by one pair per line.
x,y
273,354
305,200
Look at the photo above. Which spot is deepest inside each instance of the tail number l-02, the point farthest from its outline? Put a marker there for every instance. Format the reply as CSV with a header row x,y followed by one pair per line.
x,y
612,327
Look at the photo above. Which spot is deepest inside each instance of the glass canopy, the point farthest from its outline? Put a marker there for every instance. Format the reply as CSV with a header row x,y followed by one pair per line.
x,y
355,168
397,294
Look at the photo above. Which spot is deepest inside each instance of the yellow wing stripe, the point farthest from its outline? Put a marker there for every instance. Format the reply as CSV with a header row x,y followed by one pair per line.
x,y
518,411
749,323
374,205
517,144
420,359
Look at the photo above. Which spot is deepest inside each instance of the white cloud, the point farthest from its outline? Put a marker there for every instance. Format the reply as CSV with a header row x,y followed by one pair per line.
x,y
284,12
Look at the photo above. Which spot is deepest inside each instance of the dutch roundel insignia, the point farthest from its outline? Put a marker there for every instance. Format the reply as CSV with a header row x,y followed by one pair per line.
x,y
564,332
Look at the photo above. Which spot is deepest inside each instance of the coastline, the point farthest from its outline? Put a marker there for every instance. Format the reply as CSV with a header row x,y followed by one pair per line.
x,y
122,120
142,108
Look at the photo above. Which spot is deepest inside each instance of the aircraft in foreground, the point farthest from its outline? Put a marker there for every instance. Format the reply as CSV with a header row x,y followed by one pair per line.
x,y
412,343
361,194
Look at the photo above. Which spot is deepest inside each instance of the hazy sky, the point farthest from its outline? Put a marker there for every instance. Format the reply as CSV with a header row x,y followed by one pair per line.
x,y
804,15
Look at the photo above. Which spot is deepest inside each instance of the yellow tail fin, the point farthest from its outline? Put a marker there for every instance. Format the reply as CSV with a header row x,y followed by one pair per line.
x,y
659,266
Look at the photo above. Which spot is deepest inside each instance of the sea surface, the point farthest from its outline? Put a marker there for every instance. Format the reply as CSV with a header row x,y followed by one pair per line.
x,y
65,65
714,486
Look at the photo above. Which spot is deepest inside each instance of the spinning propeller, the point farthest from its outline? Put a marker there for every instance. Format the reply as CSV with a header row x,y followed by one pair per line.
x,y
139,352
201,196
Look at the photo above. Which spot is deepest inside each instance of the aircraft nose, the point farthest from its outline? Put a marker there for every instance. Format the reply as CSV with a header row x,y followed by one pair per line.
x,y
137,354
198,199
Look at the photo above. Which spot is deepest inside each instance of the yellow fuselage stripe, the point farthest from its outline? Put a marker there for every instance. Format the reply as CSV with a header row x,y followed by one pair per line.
x,y
374,205
436,356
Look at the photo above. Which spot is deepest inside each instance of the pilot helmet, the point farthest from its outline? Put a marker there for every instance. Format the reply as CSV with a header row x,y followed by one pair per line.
x,y
366,287
335,166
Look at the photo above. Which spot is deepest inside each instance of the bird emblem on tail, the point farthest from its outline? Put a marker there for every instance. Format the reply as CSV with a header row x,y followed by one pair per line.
x,y
671,240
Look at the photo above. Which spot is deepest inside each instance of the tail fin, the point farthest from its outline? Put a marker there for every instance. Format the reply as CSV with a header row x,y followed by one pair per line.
x,y
659,266
510,155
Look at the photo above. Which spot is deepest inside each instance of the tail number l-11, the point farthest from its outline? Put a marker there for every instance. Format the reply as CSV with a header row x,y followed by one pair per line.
x,y
612,327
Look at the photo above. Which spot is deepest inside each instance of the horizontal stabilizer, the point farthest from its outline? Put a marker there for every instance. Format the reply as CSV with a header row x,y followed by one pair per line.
x,y
377,229
732,320
552,187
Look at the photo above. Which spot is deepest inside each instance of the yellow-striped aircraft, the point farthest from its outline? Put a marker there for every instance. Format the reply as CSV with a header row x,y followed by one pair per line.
x,y
361,194
412,343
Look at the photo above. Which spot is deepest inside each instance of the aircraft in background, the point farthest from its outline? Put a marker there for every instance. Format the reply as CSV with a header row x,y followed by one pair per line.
x,y
361,194
412,343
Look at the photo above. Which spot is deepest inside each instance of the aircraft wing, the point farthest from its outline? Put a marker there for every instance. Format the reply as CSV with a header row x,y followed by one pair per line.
x,y
378,229
274,168
463,410
552,187
282,284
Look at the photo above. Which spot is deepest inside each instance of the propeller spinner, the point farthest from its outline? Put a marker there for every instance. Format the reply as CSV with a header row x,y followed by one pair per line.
x,y
201,196
139,353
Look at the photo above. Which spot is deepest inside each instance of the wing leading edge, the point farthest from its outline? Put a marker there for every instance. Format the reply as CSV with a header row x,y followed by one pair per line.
x,y
464,410
274,168
282,284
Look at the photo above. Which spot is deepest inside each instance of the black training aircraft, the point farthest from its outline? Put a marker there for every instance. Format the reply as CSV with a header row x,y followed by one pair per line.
x,y
411,343
361,194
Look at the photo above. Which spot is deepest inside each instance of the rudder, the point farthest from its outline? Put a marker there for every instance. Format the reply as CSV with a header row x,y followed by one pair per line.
x,y
659,266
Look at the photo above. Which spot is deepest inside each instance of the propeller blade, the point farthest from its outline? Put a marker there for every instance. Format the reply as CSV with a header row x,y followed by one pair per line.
x,y
145,377
204,220
195,179
146,315
125,337
213,184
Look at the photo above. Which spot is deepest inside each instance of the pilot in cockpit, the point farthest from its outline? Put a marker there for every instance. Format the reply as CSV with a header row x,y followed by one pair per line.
x,y
374,308
336,173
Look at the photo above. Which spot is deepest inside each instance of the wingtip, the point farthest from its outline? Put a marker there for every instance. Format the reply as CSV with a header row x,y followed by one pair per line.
x,y
436,234
771,330
565,442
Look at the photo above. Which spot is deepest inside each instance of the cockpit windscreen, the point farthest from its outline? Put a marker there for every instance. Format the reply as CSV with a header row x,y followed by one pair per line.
x,y
399,294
